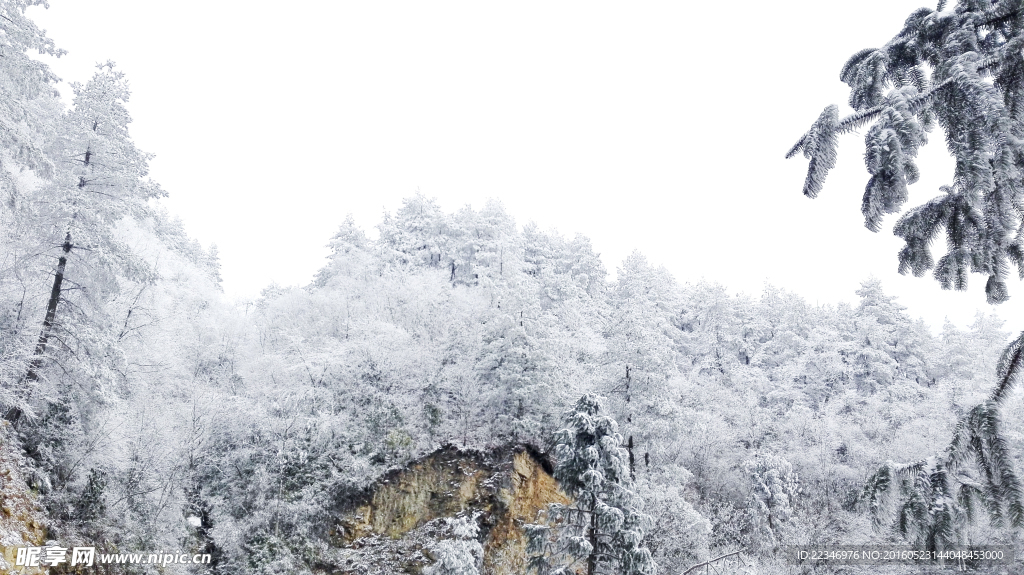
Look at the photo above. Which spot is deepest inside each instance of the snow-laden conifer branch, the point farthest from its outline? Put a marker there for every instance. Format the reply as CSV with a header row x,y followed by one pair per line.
x,y
861,118
1008,370
961,69
938,497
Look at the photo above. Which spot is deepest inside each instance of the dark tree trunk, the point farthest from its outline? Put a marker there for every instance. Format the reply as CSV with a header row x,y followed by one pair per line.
x,y
632,460
592,538
51,312
629,419
197,506
44,336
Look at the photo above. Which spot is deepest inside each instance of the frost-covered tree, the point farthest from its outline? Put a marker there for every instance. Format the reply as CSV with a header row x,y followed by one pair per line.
x,y
417,233
482,243
679,535
890,346
933,500
514,366
29,114
774,486
604,528
27,100
99,178
639,339
962,69
460,555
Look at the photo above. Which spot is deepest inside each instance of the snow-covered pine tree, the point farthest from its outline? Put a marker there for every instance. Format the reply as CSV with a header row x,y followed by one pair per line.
x,y
418,233
963,69
99,178
29,111
26,95
889,347
638,333
604,527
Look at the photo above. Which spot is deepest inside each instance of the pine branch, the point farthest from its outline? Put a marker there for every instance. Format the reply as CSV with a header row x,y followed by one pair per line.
x,y
818,145
1008,369
999,18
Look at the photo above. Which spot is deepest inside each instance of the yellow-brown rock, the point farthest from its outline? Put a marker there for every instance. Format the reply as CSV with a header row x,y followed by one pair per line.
x,y
502,490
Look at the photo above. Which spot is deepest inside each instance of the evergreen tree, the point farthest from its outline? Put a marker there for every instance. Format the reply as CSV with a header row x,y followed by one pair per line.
x,y
889,347
98,180
418,233
604,528
639,334
712,336
349,254
29,116
962,69
28,102
933,500
514,365
481,243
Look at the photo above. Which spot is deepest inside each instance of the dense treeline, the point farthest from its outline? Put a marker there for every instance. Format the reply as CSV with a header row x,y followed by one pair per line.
x,y
157,415
257,420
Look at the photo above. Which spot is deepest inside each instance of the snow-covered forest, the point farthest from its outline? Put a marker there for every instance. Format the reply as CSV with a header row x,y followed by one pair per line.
x,y
150,412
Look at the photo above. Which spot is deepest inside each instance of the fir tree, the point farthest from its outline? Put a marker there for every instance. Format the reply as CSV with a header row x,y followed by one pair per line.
x,y
604,528
99,179
962,69
888,346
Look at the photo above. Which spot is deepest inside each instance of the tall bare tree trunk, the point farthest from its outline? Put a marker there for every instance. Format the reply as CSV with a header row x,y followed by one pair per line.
x,y
44,336
629,419
592,537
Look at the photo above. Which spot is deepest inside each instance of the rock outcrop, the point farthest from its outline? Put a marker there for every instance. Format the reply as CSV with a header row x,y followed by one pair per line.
x,y
390,529
22,522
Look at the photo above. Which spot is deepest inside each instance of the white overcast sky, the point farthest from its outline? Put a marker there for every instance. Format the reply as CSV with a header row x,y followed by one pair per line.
x,y
650,125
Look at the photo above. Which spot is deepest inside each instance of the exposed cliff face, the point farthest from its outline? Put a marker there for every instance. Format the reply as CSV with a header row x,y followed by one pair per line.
x,y
391,529
22,522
